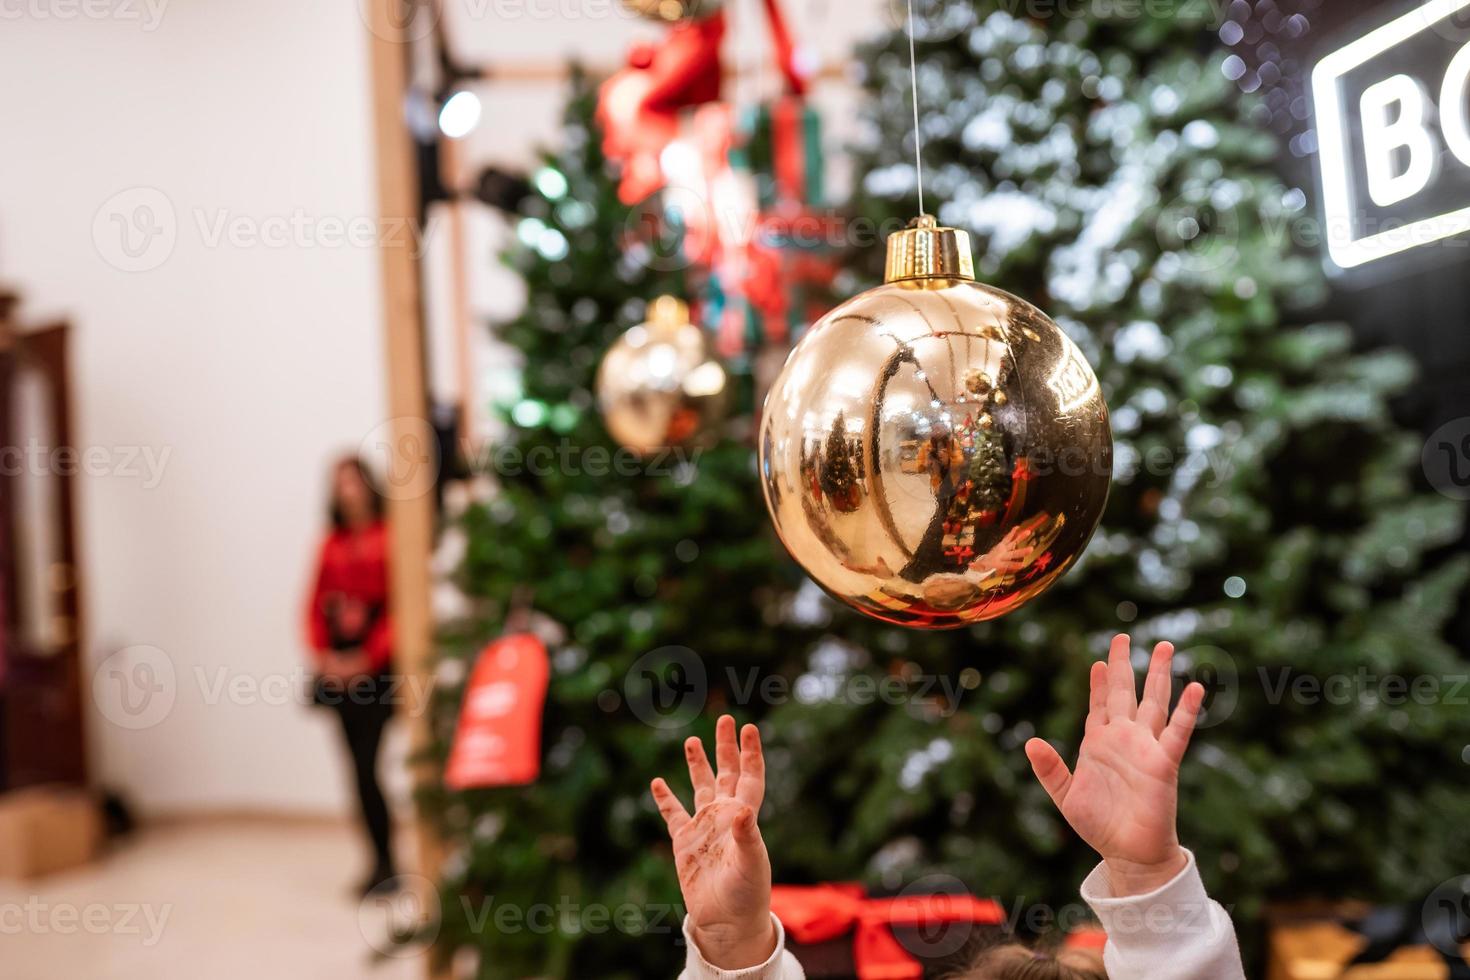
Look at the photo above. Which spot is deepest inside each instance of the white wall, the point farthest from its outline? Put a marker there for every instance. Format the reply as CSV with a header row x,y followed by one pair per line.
x,y
250,365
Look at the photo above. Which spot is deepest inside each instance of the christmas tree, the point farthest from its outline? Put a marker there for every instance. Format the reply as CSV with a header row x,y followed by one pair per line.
x,y
1264,513
662,573
1264,517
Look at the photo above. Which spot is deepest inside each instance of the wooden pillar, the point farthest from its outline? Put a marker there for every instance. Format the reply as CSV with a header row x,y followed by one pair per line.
x,y
410,515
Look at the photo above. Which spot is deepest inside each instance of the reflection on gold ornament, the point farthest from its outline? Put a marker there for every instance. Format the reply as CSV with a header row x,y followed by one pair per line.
x,y
660,386
935,452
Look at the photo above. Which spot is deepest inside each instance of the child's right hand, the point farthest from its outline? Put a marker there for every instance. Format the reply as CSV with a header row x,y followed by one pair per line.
x,y
1124,793
723,868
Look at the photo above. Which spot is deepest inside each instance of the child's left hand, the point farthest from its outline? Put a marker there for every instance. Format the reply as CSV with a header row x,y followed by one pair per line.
x,y
1124,793
723,867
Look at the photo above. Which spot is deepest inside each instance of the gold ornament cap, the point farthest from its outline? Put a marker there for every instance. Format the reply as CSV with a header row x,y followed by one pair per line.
x,y
667,314
924,250
665,10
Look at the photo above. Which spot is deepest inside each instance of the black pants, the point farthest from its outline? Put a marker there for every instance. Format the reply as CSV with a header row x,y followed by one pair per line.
x,y
362,727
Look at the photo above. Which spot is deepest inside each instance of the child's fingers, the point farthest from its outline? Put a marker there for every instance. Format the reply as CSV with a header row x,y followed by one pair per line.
x,y
727,757
674,814
1153,710
751,789
1122,687
1097,702
745,827
700,773
747,835
1176,737
1050,770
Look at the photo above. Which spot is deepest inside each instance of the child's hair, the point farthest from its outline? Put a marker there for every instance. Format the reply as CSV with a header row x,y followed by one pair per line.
x,y
1016,962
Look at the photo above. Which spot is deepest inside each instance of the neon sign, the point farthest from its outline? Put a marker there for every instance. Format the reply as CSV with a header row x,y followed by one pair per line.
x,y
1394,136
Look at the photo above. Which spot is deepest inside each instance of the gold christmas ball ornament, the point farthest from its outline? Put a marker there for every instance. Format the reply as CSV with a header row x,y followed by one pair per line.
x,y
936,452
660,385
671,10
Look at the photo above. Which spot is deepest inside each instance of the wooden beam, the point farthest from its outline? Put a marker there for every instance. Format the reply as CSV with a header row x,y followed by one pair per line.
x,y
410,515
555,72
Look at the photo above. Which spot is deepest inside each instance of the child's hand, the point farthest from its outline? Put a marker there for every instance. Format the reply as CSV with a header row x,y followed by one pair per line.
x,y
1122,798
723,868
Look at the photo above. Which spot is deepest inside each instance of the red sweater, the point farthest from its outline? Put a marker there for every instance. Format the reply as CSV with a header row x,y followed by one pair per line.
x,y
349,603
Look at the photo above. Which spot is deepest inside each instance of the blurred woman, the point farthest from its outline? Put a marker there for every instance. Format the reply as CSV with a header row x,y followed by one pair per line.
x,y
351,638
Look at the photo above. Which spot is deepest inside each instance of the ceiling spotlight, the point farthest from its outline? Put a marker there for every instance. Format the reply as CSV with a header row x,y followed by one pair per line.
x,y
460,115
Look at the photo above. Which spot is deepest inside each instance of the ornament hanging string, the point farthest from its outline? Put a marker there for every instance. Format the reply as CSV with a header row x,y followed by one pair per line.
x,y
914,89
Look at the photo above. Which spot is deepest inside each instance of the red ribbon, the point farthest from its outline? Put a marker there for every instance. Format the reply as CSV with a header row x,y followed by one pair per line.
x,y
765,288
788,147
785,49
1088,937
818,913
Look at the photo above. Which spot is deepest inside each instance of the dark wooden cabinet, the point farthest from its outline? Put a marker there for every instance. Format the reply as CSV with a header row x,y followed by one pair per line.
x,y
42,737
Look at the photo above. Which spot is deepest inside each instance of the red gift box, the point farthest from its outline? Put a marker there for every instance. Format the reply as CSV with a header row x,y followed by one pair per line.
x,y
839,931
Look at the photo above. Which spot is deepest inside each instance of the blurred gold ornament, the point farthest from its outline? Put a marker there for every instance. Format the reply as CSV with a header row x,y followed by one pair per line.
x,y
669,10
660,386
936,452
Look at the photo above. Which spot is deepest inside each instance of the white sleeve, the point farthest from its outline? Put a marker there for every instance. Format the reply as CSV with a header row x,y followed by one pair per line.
x,y
781,966
1175,932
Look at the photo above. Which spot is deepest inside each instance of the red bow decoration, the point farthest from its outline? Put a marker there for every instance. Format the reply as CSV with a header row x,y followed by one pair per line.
x,y
638,107
1087,937
818,913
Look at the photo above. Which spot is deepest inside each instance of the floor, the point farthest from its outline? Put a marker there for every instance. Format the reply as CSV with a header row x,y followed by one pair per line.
x,y
219,900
